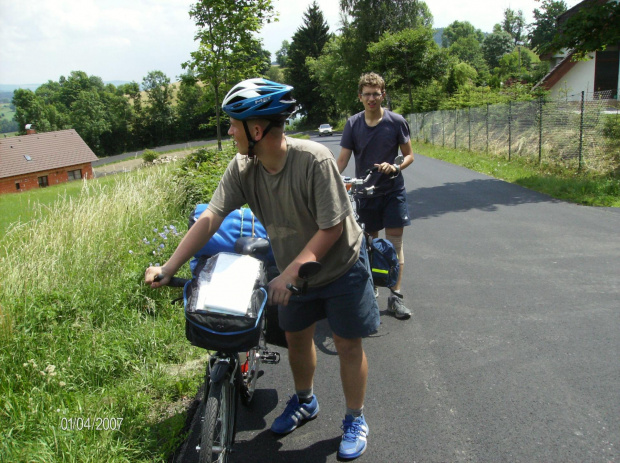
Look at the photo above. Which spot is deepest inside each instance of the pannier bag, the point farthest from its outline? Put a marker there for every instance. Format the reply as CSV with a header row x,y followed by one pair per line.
x,y
383,262
240,222
225,302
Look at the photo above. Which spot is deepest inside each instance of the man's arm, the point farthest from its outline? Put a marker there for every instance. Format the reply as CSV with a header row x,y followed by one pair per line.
x,y
407,151
315,250
343,159
391,169
196,237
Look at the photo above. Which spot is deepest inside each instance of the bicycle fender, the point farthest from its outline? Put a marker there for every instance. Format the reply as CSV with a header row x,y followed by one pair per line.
x,y
219,370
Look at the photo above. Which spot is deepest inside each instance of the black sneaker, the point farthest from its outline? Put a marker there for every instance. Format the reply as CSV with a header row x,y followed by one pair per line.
x,y
397,307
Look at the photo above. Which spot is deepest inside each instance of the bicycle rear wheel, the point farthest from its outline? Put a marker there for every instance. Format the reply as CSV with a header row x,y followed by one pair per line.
x,y
216,436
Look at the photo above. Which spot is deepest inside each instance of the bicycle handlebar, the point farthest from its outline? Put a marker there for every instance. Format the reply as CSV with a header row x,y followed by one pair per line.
x,y
174,282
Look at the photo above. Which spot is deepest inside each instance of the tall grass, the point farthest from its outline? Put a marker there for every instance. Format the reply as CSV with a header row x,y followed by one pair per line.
x,y
82,338
586,188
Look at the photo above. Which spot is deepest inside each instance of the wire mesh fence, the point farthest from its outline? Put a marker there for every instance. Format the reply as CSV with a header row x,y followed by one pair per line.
x,y
572,132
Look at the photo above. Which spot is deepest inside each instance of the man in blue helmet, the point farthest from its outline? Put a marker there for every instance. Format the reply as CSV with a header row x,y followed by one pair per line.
x,y
294,188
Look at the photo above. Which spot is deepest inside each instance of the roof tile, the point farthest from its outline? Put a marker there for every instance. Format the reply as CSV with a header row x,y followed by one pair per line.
x,y
47,151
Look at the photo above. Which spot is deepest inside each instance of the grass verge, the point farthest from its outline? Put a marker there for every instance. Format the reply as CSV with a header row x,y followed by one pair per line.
x,y
89,355
586,189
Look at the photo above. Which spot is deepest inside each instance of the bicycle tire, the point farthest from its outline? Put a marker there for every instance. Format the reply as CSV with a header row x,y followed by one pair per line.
x,y
217,433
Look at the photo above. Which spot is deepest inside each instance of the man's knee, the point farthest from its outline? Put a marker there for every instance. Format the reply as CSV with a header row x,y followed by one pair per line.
x,y
347,347
397,241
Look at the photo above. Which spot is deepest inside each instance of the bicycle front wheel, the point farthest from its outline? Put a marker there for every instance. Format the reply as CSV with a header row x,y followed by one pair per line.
x,y
216,437
252,368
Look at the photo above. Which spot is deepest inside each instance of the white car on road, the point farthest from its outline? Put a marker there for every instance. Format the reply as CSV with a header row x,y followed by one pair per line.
x,y
325,129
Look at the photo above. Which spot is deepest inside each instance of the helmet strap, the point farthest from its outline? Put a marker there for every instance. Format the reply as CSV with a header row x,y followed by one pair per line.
x,y
251,141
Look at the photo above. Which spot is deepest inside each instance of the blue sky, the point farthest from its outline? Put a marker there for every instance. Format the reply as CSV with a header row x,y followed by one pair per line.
x,y
41,40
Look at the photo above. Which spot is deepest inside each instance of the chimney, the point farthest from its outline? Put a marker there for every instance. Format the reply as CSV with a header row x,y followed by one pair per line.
x,y
30,129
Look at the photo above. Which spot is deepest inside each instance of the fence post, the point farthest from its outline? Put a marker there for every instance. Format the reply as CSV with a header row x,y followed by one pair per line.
x,y
433,128
581,132
456,115
487,124
443,130
509,129
469,125
540,126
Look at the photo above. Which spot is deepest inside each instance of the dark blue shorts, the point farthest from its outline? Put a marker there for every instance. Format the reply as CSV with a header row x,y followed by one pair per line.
x,y
386,211
349,304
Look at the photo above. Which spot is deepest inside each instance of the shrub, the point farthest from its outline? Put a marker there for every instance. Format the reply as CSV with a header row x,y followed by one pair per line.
x,y
149,156
201,172
611,128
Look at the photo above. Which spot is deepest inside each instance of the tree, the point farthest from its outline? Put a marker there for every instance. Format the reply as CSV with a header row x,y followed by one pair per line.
x,y
468,50
159,112
334,75
308,42
518,65
594,27
193,109
514,24
460,30
90,119
282,53
408,59
227,50
496,45
544,27
365,21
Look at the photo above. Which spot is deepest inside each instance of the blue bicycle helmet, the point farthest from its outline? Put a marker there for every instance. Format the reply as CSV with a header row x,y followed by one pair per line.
x,y
259,98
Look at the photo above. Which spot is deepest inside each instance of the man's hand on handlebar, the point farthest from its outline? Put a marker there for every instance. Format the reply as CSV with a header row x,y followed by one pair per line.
x,y
152,277
387,168
278,291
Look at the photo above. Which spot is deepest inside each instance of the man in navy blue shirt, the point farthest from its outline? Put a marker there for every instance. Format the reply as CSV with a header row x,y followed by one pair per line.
x,y
374,136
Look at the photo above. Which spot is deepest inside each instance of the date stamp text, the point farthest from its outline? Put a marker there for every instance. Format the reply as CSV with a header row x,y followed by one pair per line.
x,y
90,424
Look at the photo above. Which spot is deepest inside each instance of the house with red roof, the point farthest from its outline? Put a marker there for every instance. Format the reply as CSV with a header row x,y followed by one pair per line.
x,y
37,160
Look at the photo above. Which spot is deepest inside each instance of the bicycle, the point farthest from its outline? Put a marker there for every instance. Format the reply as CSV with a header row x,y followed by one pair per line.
x,y
355,186
227,378
384,264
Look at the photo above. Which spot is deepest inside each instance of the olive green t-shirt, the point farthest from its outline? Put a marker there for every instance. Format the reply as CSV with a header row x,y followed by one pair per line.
x,y
306,195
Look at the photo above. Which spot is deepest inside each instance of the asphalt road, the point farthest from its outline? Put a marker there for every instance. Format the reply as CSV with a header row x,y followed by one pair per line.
x,y
513,351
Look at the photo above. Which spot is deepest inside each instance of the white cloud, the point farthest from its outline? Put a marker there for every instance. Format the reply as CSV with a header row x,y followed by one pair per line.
x,y
41,40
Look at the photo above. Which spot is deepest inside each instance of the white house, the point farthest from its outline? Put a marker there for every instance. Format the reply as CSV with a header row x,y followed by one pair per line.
x,y
568,78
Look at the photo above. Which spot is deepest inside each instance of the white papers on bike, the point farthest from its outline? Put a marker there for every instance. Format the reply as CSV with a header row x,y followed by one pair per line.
x,y
226,284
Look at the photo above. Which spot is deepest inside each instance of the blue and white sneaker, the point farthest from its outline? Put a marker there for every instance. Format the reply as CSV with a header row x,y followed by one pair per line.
x,y
294,414
354,438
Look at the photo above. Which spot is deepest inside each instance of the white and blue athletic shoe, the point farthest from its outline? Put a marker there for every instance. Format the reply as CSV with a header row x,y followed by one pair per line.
x,y
294,414
354,438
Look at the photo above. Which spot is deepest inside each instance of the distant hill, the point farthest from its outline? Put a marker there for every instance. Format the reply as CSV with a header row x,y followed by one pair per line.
x,y
11,88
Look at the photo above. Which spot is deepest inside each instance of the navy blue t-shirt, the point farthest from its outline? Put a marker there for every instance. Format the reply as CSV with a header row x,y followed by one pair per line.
x,y
374,145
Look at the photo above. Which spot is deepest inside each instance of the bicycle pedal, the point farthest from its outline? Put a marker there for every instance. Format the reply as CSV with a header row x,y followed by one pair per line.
x,y
270,357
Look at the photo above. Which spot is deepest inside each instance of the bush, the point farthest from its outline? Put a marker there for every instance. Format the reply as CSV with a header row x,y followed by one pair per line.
x,y
202,171
149,156
611,128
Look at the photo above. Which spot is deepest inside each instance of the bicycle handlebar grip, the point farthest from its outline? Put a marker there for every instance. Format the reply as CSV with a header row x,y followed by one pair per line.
x,y
293,289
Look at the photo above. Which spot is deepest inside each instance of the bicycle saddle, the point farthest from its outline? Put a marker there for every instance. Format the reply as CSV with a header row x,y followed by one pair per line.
x,y
251,246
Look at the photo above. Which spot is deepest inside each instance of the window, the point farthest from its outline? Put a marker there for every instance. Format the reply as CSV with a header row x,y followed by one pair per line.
x,y
43,181
75,174
17,185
